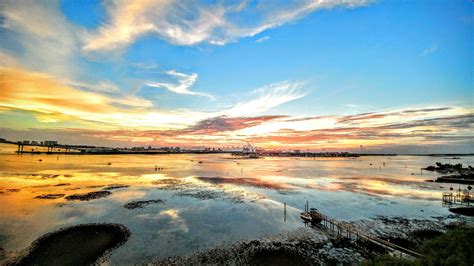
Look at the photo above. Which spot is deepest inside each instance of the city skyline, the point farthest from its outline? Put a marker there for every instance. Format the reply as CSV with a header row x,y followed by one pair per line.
x,y
309,75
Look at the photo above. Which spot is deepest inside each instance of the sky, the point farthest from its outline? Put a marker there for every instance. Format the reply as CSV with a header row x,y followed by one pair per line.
x,y
339,75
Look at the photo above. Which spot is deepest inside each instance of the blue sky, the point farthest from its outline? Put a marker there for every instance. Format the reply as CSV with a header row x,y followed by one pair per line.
x,y
387,54
183,63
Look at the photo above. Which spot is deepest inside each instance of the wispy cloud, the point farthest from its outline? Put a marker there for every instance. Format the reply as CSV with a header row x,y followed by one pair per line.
x,y
429,50
147,67
42,94
177,22
191,23
267,97
7,60
426,126
220,124
262,39
355,106
183,86
52,100
412,130
102,86
47,41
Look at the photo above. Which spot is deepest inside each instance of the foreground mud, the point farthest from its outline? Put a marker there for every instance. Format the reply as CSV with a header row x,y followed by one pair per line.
x,y
305,246
77,245
314,245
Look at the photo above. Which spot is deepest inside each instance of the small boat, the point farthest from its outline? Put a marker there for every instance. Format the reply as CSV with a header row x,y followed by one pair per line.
x,y
310,215
315,216
306,216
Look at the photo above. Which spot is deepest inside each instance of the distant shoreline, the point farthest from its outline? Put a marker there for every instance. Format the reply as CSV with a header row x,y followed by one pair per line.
x,y
94,150
308,155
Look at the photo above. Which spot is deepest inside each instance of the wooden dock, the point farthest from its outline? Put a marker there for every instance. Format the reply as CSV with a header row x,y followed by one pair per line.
x,y
459,198
347,230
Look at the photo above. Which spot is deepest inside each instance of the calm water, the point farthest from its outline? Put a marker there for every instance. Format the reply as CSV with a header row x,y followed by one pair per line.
x,y
220,200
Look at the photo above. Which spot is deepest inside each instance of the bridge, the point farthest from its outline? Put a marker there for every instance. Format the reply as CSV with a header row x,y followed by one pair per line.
x,y
57,148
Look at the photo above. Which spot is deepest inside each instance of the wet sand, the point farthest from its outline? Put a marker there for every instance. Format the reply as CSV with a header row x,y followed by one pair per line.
x,y
78,245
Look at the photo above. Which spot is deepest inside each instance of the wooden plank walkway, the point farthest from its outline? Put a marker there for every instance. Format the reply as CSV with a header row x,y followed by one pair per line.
x,y
347,230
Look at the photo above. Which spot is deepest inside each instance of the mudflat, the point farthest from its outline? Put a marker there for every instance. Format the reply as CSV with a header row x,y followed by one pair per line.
x,y
77,245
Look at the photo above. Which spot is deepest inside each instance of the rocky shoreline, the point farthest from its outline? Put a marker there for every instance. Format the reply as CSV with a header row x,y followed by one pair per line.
x,y
453,173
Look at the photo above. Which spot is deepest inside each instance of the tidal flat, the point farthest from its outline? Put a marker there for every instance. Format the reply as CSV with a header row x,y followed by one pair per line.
x,y
190,208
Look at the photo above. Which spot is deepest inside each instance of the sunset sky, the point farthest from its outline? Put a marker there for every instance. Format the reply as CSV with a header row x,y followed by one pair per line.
x,y
345,75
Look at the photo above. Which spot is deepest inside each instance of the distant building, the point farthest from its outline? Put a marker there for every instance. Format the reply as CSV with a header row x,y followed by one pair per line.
x,y
50,143
34,142
3,140
26,142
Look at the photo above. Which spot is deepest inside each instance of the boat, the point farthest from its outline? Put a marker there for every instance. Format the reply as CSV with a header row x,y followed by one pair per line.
x,y
305,216
315,216
311,215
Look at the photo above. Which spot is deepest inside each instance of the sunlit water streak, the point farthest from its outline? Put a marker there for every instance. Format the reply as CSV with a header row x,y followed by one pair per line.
x,y
220,200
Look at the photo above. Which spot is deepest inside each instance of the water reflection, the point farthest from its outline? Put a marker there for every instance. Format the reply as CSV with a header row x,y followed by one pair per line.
x,y
203,204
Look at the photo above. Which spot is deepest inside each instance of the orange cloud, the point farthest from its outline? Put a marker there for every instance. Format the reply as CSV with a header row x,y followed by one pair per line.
x,y
134,120
52,100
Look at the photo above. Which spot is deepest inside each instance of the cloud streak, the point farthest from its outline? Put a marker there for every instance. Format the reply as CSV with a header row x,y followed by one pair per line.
x,y
48,41
42,94
183,86
430,50
191,23
443,129
51,100
135,120
267,97
262,39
